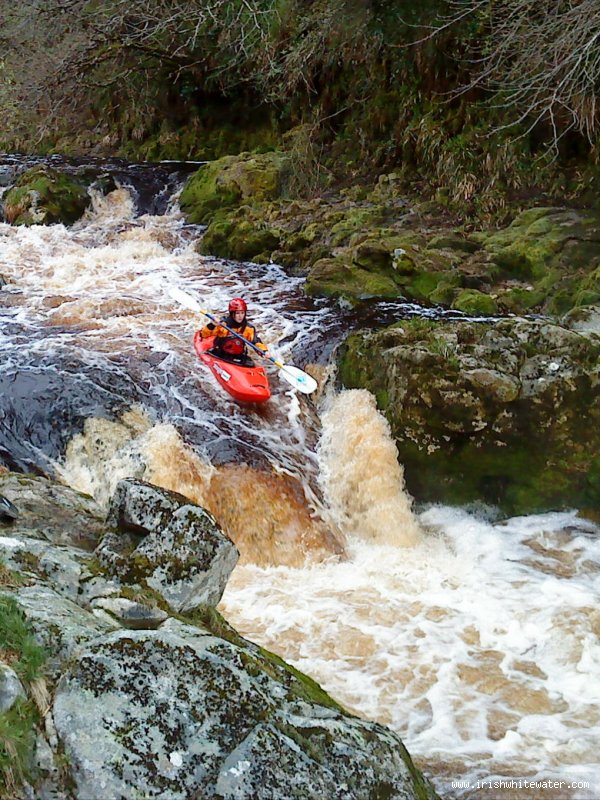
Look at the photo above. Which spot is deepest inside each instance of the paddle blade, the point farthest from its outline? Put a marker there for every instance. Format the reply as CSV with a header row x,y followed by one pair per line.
x,y
185,299
298,379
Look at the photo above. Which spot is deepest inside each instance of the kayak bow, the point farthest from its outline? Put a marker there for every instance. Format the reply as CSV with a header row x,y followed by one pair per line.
x,y
245,383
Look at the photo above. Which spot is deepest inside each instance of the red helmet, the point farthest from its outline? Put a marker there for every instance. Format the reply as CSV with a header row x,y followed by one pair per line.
x,y
237,304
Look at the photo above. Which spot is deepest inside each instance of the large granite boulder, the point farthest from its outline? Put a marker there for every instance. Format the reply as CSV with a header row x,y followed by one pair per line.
x,y
233,180
506,412
42,196
164,542
182,713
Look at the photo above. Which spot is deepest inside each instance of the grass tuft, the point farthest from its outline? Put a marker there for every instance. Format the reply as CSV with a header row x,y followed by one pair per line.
x,y
18,724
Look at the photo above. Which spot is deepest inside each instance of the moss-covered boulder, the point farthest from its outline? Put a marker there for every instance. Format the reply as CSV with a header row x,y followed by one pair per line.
x,y
475,303
508,412
234,236
42,196
340,277
553,257
232,180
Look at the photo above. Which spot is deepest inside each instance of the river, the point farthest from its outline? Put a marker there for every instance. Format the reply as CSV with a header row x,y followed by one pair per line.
x,y
476,639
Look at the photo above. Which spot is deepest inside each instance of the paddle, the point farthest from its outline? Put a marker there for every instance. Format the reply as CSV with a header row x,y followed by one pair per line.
x,y
293,375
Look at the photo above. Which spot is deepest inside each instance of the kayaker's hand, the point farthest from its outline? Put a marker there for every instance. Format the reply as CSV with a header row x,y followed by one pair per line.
x,y
211,326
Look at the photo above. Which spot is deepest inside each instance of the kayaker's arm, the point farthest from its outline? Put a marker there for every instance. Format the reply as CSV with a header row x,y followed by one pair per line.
x,y
254,338
213,330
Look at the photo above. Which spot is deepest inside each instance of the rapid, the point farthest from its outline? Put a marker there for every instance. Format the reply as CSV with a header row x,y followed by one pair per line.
x,y
476,639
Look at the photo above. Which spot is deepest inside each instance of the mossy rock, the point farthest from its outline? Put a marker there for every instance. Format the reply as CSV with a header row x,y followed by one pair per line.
x,y
519,300
338,277
471,301
453,241
241,239
507,413
43,196
352,220
232,180
555,250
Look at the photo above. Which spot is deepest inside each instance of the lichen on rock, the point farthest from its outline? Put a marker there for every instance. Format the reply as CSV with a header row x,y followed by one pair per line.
x,y
473,409
161,540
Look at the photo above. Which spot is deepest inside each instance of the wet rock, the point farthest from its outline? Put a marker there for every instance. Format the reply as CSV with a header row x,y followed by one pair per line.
x,y
7,174
32,440
168,544
42,196
507,412
11,688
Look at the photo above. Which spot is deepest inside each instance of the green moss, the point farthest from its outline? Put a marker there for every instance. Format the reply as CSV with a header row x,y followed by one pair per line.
x,y
226,182
518,300
17,725
336,277
44,195
202,194
471,301
239,239
353,220
423,285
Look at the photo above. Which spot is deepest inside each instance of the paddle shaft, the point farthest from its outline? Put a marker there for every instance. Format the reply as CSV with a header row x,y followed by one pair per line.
x,y
239,336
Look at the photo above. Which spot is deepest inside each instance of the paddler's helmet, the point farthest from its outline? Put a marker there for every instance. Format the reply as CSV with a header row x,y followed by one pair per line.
x,y
237,304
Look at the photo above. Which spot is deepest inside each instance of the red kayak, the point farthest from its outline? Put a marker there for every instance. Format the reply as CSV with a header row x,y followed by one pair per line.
x,y
245,383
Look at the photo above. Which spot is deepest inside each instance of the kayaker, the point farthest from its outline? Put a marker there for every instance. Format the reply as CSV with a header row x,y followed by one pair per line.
x,y
230,347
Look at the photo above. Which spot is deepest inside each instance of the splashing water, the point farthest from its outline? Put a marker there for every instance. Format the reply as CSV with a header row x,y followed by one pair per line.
x,y
478,652
363,480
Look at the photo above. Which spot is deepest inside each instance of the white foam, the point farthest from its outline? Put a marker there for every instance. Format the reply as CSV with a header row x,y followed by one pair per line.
x,y
460,643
